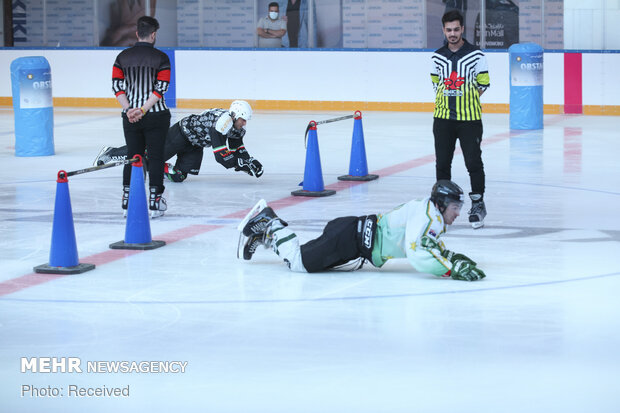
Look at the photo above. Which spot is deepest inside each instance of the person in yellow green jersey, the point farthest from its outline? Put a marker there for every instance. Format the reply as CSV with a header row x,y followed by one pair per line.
x,y
460,75
412,230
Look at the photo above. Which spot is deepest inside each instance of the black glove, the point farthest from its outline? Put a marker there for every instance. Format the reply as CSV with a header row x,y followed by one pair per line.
x,y
250,166
256,167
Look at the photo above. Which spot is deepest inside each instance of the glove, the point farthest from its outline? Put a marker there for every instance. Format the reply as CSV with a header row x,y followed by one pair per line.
x,y
256,167
250,166
466,271
453,256
242,166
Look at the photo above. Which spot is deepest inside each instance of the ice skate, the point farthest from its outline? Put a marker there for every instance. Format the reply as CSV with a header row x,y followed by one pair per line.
x,y
478,211
264,238
259,223
252,244
254,226
125,200
173,174
103,156
157,203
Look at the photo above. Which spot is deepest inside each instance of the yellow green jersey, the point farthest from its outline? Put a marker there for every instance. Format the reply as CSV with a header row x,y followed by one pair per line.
x,y
457,78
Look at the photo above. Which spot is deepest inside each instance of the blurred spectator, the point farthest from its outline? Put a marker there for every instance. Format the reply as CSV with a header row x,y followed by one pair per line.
x,y
123,17
271,28
296,17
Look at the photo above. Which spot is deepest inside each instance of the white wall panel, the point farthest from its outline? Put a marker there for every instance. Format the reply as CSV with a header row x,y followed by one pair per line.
x,y
310,75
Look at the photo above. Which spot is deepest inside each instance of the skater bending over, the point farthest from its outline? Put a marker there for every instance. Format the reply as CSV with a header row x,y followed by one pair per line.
x,y
221,129
411,230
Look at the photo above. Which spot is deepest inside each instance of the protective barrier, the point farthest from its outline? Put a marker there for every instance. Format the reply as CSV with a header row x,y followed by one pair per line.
x,y
31,81
526,86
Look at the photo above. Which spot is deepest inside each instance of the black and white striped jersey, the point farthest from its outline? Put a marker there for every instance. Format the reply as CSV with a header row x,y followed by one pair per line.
x,y
457,77
140,71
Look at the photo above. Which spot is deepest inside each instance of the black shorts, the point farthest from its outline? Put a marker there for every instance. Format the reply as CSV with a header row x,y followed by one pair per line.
x,y
343,239
189,157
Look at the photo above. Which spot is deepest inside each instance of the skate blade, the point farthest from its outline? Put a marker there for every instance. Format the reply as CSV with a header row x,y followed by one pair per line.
x,y
258,207
477,225
241,243
96,161
157,214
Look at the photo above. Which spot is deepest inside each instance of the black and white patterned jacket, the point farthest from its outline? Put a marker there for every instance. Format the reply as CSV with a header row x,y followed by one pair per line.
x,y
214,128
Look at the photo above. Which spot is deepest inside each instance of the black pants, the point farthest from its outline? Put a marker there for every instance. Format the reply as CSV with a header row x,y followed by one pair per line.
x,y
469,134
189,157
343,239
292,26
149,133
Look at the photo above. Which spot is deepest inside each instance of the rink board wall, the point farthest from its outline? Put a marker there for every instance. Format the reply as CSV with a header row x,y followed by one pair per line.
x,y
318,79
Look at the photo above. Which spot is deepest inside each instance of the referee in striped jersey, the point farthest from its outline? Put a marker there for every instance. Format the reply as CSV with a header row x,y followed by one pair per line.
x,y
460,76
140,77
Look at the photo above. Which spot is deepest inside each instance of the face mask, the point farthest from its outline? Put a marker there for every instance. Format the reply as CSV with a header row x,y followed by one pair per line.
x,y
273,15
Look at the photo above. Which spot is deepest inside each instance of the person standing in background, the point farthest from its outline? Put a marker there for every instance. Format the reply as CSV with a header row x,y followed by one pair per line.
x,y
295,14
140,77
122,23
272,28
293,23
460,75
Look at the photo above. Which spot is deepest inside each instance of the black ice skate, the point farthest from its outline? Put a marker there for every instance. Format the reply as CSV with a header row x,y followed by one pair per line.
x,y
252,243
103,156
157,203
172,174
478,211
254,227
264,238
259,224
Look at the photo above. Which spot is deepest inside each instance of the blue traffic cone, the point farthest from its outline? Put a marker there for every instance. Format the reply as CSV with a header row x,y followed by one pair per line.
x,y
358,169
313,177
138,227
63,253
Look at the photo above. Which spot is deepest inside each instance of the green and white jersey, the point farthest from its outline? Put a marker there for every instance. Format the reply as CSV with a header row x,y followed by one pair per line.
x,y
399,234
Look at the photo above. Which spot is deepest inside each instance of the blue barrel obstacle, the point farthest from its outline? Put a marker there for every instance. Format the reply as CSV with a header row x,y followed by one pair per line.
x,y
31,80
358,168
138,227
63,252
526,86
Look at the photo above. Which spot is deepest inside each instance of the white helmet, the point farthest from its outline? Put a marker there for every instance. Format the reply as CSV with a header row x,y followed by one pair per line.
x,y
240,109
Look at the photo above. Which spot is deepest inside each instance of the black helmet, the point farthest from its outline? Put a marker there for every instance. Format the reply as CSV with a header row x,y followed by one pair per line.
x,y
445,192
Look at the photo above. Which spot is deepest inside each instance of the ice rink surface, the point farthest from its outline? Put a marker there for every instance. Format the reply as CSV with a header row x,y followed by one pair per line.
x,y
540,334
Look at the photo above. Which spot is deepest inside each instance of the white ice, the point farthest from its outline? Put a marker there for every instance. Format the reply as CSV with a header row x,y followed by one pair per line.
x,y
540,334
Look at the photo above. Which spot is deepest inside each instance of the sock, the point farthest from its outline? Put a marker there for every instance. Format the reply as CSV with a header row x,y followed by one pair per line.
x,y
286,244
